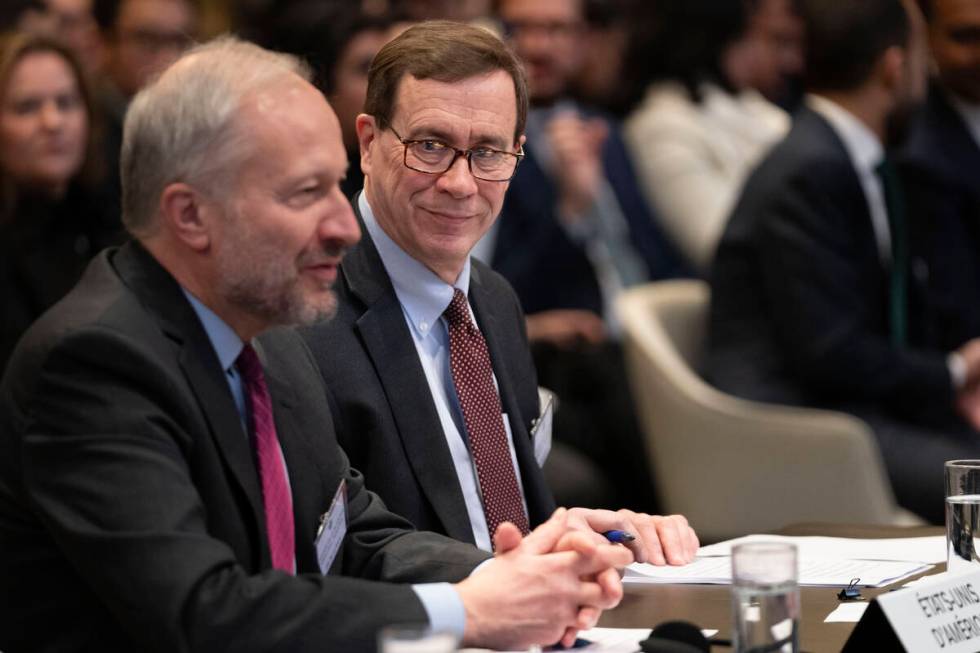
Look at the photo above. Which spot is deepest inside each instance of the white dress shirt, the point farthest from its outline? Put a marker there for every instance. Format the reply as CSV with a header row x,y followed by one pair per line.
x,y
423,297
866,153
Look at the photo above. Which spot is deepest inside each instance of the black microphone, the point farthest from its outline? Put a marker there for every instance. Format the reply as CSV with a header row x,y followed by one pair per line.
x,y
676,637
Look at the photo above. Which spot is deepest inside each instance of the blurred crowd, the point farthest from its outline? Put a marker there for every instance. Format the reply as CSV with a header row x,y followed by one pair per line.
x,y
666,138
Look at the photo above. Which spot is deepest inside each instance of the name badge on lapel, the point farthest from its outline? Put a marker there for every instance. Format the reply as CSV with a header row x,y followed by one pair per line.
x,y
333,528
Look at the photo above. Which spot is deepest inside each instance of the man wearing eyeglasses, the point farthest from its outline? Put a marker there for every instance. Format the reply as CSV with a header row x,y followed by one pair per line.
x,y
427,360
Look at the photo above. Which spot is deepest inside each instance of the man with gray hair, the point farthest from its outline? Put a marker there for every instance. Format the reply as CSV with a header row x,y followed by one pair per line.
x,y
170,482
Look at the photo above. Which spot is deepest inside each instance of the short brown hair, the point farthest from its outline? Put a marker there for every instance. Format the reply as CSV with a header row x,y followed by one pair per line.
x,y
446,52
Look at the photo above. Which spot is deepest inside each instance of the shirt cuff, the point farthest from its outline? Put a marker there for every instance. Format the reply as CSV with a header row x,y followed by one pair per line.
x,y
443,606
957,370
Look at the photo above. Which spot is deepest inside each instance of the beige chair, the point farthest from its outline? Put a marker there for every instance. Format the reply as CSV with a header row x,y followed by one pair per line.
x,y
734,466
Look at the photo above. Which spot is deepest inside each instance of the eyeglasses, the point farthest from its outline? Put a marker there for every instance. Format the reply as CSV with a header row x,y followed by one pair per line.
x,y
435,157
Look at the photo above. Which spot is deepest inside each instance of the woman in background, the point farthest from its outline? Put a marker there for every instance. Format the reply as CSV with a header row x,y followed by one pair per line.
x,y
700,128
51,219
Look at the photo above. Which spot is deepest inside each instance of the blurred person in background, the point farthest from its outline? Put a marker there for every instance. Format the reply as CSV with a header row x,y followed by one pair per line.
x,y
464,11
777,30
51,220
700,126
339,41
74,23
141,38
574,231
71,21
939,165
598,82
817,291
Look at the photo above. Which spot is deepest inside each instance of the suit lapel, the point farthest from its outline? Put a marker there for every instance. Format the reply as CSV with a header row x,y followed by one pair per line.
x,y
390,346
160,292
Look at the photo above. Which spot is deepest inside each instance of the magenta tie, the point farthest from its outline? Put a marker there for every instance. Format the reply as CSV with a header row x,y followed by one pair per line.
x,y
472,372
275,488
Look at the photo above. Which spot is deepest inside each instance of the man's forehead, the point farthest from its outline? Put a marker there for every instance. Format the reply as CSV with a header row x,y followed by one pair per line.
x,y
471,96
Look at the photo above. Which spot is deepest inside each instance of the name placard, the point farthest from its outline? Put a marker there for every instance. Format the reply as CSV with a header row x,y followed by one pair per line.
x,y
933,615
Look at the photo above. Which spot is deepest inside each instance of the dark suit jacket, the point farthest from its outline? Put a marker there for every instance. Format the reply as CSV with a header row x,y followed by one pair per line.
x,y
388,420
130,509
547,269
940,164
799,309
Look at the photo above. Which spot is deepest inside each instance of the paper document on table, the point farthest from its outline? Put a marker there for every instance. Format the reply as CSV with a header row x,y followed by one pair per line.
x,y
847,613
717,570
606,640
930,549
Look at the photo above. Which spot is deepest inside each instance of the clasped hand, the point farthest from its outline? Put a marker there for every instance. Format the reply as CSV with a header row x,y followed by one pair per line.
x,y
542,588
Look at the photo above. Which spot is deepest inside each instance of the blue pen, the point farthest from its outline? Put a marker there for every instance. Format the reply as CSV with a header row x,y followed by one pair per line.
x,y
619,537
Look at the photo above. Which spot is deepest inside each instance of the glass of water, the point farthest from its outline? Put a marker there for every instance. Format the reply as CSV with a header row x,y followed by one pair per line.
x,y
765,597
962,518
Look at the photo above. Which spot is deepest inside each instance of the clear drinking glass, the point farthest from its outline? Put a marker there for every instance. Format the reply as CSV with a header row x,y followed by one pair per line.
x,y
412,638
962,514
765,597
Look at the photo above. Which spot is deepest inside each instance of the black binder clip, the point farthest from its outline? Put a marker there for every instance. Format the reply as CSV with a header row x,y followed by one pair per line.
x,y
850,593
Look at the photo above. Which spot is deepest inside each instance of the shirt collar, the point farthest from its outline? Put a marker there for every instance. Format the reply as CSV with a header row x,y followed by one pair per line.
x,y
863,147
226,343
423,295
969,112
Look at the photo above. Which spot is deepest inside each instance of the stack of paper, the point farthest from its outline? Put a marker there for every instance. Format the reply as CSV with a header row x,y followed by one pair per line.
x,y
823,561
606,640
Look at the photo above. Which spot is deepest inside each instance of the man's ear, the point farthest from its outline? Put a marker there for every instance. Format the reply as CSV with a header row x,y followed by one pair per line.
x,y
367,132
186,215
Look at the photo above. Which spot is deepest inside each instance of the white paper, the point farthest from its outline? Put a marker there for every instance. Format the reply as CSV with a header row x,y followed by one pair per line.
x,y
607,640
813,571
930,549
847,613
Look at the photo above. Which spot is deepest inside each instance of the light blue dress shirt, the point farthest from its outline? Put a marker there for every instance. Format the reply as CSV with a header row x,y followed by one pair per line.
x,y
423,297
440,600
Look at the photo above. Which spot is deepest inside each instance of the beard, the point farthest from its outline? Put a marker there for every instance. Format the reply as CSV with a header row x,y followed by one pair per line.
x,y
257,278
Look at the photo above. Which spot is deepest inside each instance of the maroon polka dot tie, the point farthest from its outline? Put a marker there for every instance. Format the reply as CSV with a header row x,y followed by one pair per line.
x,y
275,489
469,360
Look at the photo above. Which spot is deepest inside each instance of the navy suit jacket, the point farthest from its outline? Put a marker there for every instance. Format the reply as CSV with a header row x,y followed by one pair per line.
x,y
940,166
799,307
387,419
547,269
131,513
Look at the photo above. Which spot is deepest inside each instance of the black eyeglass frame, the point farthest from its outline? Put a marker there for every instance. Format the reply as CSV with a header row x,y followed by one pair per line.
x,y
467,153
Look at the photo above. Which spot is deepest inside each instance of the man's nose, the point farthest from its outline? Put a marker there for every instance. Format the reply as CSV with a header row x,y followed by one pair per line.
x,y
458,181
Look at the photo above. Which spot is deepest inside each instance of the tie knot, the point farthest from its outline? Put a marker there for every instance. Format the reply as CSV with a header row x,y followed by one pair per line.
x,y
249,365
458,312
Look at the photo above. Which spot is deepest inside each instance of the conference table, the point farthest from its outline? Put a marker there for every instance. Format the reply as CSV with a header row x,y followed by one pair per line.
x,y
709,606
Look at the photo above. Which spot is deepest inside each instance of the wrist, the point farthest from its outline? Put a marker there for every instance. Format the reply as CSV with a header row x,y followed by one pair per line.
x,y
472,631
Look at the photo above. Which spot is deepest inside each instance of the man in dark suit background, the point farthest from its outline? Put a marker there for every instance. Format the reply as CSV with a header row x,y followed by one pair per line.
x,y
939,165
433,91
815,299
168,482
574,231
